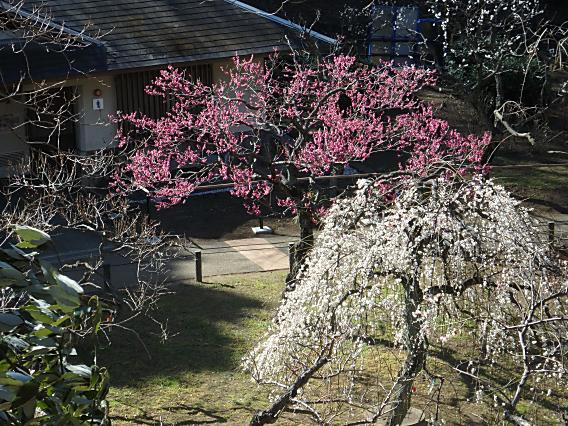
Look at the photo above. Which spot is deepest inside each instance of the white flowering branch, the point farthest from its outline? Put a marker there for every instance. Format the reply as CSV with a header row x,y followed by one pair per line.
x,y
386,281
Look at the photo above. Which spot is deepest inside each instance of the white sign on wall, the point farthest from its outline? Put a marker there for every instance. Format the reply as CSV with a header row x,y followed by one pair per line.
x,y
98,104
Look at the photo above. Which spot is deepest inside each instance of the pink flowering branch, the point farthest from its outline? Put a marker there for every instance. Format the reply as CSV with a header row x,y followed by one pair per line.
x,y
264,126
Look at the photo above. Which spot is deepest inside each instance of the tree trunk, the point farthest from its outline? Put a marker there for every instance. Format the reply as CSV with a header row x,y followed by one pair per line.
x,y
271,414
301,248
416,348
498,94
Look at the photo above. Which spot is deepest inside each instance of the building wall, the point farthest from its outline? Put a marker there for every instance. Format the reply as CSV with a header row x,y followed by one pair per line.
x,y
7,35
219,75
95,129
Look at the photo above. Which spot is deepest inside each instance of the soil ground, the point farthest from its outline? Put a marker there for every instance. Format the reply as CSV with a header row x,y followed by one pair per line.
x,y
515,162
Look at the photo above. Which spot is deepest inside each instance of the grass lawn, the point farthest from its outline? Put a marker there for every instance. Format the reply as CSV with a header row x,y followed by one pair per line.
x,y
540,184
194,378
535,178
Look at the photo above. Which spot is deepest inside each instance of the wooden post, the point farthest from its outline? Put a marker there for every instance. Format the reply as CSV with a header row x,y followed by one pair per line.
x,y
261,222
551,233
198,267
291,255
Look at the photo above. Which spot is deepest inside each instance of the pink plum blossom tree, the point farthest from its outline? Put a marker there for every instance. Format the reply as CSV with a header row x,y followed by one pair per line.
x,y
273,130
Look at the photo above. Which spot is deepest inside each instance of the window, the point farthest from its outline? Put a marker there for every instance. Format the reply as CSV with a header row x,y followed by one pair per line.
x,y
394,32
131,96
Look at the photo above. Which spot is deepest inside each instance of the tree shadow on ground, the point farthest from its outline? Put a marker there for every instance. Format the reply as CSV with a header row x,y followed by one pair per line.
x,y
206,216
204,322
195,416
457,362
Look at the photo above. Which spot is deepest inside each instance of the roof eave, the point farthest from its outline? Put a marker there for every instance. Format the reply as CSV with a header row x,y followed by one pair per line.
x,y
45,21
285,22
205,57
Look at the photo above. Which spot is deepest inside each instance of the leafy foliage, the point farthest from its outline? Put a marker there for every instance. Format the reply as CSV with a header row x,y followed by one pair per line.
x,y
41,313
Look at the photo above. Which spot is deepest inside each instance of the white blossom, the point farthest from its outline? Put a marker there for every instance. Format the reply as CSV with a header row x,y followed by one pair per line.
x,y
478,261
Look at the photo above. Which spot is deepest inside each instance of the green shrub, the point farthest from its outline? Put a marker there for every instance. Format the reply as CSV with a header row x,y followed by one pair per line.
x,y
41,313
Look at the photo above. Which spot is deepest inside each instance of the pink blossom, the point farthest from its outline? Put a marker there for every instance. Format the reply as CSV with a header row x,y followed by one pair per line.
x,y
321,118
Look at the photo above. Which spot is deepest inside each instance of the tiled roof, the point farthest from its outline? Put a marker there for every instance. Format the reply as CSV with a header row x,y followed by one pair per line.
x,y
143,33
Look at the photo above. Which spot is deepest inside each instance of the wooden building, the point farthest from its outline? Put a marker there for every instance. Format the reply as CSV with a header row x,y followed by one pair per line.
x,y
137,39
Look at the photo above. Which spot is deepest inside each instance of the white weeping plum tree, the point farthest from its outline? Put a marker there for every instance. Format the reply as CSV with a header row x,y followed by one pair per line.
x,y
391,284
501,54
482,38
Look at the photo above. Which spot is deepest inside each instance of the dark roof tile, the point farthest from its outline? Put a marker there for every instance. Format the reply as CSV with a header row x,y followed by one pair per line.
x,y
149,33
